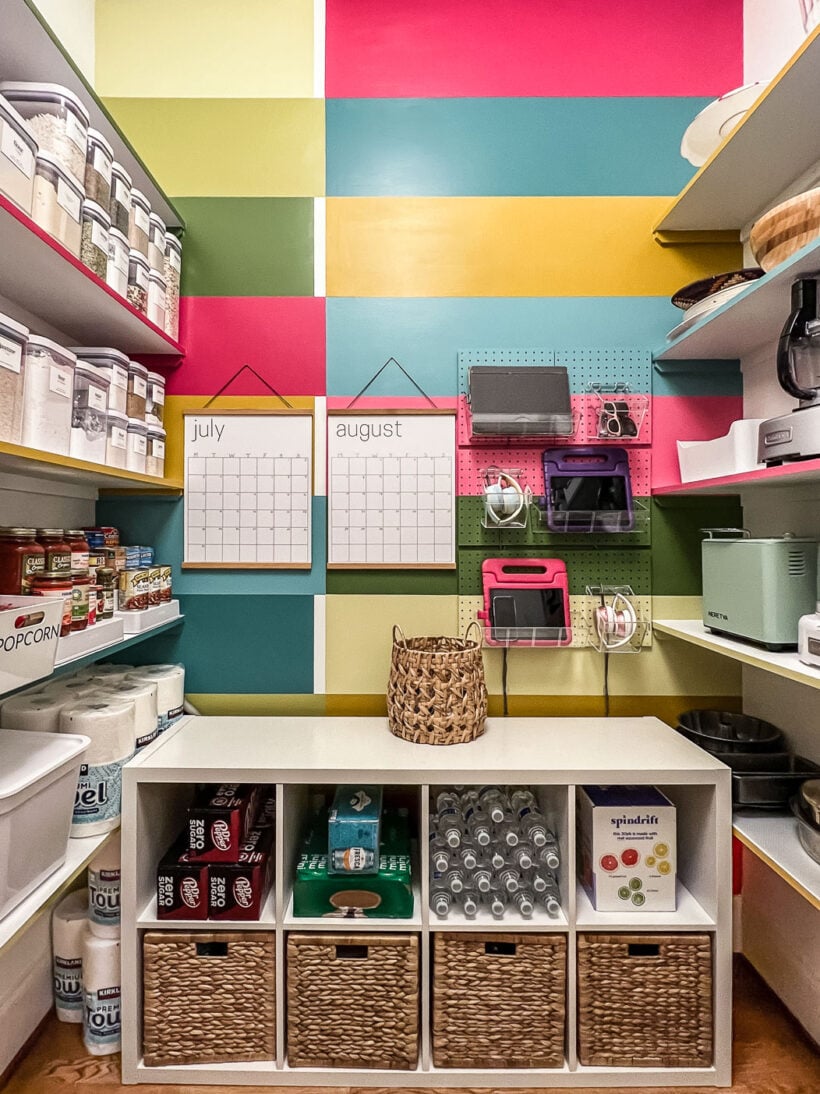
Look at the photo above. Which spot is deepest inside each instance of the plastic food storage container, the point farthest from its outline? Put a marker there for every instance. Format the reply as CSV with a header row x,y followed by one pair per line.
x,y
57,118
137,390
13,338
58,202
139,223
138,277
155,398
38,780
89,414
99,159
137,445
120,207
114,366
116,447
156,243
94,239
48,386
173,270
18,150
155,452
116,275
156,299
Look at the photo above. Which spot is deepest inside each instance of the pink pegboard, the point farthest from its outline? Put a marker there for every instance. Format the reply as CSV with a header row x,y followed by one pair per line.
x,y
464,436
640,407
640,471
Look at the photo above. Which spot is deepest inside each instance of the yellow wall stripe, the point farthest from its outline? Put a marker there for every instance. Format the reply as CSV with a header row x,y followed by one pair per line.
x,y
497,246
259,705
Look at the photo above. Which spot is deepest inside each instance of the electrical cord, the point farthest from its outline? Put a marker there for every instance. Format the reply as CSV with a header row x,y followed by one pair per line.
x,y
504,679
606,683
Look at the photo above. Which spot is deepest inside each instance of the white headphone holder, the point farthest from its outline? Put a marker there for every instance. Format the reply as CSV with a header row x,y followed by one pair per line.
x,y
615,624
506,501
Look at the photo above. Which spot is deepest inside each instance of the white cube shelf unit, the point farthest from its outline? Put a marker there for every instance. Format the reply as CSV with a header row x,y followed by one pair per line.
x,y
554,754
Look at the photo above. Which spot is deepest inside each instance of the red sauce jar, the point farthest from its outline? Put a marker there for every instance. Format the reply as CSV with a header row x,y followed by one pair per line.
x,y
79,551
21,559
58,551
55,583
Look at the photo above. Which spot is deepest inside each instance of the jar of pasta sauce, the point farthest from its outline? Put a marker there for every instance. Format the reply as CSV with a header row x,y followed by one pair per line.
x,y
58,551
56,583
107,592
93,599
79,602
75,537
21,559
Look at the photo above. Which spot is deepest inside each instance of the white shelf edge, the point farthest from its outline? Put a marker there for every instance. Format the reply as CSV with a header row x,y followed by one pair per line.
x,y
689,915
774,840
125,641
79,853
148,921
292,922
787,665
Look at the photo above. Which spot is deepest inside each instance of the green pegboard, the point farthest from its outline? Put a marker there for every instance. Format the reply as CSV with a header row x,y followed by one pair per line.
x,y
471,533
604,567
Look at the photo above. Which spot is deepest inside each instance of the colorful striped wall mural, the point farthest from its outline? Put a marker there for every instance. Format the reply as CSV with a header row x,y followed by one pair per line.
x,y
416,180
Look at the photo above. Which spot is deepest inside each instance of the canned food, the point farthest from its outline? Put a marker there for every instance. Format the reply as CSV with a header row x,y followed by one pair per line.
x,y
135,589
165,584
155,593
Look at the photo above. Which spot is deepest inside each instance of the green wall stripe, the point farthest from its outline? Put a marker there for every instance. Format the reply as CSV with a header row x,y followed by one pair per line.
x,y
676,539
393,582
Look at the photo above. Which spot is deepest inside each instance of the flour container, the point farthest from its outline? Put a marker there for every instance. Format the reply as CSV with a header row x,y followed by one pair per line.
x,y
116,445
18,150
57,203
58,120
38,777
48,386
114,365
135,455
120,208
13,338
89,414
99,160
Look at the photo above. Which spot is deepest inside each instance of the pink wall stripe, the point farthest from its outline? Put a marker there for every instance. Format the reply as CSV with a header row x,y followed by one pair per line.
x,y
687,418
443,48
283,338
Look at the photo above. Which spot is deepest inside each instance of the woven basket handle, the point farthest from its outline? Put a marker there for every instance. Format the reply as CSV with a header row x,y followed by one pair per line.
x,y
398,636
478,627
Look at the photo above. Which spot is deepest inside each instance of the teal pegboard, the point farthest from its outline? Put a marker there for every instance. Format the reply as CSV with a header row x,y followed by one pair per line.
x,y
471,533
628,365
468,358
590,567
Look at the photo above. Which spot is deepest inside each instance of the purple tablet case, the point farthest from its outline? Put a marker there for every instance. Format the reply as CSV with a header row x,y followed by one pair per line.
x,y
588,489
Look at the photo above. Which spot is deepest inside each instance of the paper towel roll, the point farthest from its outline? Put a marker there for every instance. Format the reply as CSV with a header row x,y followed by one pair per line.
x,y
111,729
170,681
71,687
104,873
68,925
107,673
40,712
102,1024
144,697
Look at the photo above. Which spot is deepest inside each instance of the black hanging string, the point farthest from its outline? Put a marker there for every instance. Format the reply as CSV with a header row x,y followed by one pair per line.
x,y
261,379
375,376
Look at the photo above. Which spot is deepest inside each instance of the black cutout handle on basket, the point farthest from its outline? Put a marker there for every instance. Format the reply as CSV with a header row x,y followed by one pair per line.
x,y
351,953
212,949
643,949
500,949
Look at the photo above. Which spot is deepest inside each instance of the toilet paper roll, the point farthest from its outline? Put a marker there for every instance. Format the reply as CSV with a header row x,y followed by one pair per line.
x,y
40,712
144,697
170,681
102,1023
68,925
110,726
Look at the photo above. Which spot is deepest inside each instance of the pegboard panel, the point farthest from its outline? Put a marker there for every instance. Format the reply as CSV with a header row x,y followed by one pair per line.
x,y
470,532
470,463
629,365
584,607
640,406
464,437
584,567
508,358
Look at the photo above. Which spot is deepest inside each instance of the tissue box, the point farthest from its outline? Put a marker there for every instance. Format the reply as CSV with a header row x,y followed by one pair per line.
x,y
238,890
627,848
353,831
182,885
220,821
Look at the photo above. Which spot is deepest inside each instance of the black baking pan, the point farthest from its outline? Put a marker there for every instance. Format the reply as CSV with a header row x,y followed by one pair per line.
x,y
725,732
759,789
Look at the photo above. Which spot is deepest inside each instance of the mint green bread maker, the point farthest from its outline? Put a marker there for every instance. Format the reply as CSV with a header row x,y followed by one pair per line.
x,y
757,589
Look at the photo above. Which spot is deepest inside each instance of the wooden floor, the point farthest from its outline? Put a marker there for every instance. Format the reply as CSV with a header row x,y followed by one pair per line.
x,y
772,1056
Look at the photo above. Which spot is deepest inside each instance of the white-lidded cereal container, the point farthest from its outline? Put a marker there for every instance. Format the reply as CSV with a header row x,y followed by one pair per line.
x,y
18,151
116,447
13,339
38,780
116,275
155,452
57,118
114,366
58,202
173,275
48,387
89,414
137,445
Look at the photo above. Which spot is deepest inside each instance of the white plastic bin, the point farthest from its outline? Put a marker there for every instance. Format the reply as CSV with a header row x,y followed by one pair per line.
x,y
38,778
729,455
29,630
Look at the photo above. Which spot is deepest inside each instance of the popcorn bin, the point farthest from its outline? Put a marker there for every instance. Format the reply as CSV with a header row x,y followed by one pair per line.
x,y
29,629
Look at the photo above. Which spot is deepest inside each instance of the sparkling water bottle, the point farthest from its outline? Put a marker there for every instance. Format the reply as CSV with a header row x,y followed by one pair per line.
x,y
521,856
467,856
448,825
522,900
494,800
496,858
483,879
454,879
478,825
469,904
496,901
447,800
507,831
548,854
542,881
509,878
440,853
523,798
468,798
533,827
551,903
441,901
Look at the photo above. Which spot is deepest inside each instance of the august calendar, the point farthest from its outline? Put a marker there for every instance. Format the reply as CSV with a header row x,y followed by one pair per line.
x,y
248,490
391,489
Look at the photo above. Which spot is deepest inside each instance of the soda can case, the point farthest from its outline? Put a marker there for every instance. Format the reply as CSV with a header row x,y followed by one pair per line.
x,y
237,891
182,885
219,823
354,830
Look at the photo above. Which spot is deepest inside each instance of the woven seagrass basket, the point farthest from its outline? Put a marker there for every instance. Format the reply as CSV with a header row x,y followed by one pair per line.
x,y
645,1000
353,1000
499,1000
208,997
436,693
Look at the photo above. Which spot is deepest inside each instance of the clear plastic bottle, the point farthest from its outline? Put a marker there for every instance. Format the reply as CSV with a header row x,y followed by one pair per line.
x,y
467,855
523,798
478,825
447,800
496,858
469,798
521,856
509,878
507,832
454,879
469,904
439,853
551,903
533,827
522,900
448,826
494,800
542,881
548,854
496,901
441,901
483,879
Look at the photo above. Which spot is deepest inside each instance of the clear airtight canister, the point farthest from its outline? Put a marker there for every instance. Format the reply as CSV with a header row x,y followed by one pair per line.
x,y
138,274
156,299
139,223
155,454
137,390
116,274
58,202
94,239
18,150
173,271
13,338
137,445
114,366
155,399
48,387
99,159
89,415
116,444
57,118
156,243
120,208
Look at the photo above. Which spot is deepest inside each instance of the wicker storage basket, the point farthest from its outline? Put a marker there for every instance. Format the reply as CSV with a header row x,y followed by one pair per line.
x,y
785,229
499,1000
645,1000
436,693
353,1000
208,997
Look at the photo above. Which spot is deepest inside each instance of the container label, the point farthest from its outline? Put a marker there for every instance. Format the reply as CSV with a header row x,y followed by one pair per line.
x,y
102,164
69,199
174,260
79,562
141,219
59,382
76,131
104,897
159,449
99,236
119,376
158,394
119,437
140,279
147,738
118,255
140,387
11,355
97,397
68,982
32,565
121,193
15,149
102,1024
99,793
139,444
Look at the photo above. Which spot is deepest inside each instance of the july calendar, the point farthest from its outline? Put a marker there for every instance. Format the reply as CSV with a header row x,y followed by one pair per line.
x,y
391,489
248,490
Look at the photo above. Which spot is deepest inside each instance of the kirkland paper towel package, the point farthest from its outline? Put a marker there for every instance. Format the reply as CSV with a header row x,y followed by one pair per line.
x,y
104,889
68,924
627,848
102,1020
170,681
111,727
354,830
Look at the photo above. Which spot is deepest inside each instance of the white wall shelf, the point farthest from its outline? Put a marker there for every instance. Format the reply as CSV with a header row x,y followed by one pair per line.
x,y
773,839
29,51
65,469
760,158
787,474
552,754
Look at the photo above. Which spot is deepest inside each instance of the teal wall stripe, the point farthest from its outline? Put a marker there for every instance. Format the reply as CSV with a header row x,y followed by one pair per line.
x,y
426,334
508,146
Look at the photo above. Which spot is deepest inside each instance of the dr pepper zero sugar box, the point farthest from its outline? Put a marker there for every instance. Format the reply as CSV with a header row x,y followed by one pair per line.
x,y
182,885
219,822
